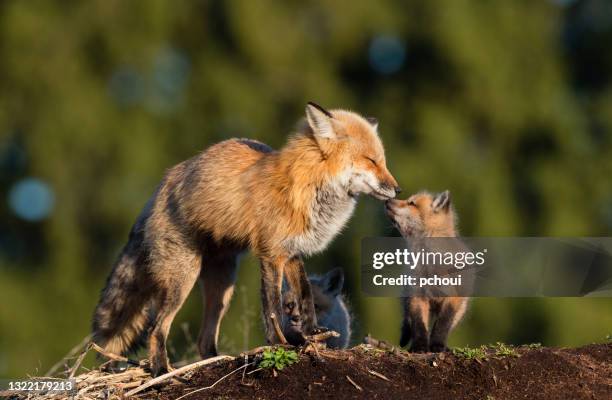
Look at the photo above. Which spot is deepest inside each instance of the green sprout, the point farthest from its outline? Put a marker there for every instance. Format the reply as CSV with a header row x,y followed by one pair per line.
x,y
469,353
278,358
504,350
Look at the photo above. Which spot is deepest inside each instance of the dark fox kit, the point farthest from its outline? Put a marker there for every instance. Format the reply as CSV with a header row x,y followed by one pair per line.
x,y
427,215
331,309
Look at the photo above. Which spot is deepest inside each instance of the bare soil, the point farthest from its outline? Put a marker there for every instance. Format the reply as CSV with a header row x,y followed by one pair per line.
x,y
532,373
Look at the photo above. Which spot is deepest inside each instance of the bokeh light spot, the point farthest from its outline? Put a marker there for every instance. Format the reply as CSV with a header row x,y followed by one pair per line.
x,y
31,199
170,72
127,86
387,54
563,3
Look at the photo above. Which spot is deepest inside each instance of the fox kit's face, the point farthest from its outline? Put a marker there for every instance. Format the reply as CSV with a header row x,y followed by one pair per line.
x,y
352,145
326,290
292,321
423,215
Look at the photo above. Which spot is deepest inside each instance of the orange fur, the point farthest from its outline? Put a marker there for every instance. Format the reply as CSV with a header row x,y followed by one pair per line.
x,y
427,215
236,195
238,198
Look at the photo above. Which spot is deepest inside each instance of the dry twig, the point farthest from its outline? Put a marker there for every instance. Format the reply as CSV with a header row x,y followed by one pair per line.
x,y
70,354
354,383
113,356
380,344
277,329
378,374
178,371
217,381
321,337
79,360
261,349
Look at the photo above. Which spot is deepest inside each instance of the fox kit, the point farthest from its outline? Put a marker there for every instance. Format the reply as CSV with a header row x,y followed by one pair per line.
x,y
331,309
237,195
427,215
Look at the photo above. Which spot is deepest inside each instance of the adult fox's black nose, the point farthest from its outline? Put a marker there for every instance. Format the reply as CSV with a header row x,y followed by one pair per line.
x,y
398,190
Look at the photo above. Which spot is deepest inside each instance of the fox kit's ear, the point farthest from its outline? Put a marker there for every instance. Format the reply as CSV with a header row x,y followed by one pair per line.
x,y
320,121
374,122
333,281
441,201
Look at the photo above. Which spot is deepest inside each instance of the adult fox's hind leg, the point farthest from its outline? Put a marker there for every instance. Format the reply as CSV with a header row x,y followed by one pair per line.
x,y
174,269
217,280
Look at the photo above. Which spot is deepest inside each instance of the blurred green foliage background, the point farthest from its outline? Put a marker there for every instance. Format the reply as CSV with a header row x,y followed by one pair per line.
x,y
507,104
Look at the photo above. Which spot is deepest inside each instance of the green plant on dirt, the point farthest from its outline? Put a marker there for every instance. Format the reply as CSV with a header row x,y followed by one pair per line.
x,y
534,345
278,358
469,353
504,350
609,337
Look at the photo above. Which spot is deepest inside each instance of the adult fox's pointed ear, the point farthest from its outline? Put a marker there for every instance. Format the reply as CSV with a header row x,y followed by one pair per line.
x,y
374,122
333,281
442,201
320,121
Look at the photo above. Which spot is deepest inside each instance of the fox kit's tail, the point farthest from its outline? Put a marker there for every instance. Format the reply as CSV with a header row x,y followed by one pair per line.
x,y
122,317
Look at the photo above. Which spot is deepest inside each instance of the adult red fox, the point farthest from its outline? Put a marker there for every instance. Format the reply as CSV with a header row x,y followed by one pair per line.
x,y
427,215
237,195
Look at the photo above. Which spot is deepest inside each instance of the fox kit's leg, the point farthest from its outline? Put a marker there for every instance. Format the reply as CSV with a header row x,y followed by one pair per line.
x,y
298,281
271,285
217,283
175,269
451,312
406,332
418,313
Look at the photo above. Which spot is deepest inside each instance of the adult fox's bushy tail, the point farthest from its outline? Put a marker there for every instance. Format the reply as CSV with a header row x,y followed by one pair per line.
x,y
121,322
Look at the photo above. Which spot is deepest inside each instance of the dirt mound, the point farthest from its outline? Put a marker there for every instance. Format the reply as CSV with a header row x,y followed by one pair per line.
x,y
525,372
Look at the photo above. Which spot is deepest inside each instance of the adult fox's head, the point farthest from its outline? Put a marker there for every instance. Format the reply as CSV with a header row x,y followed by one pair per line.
x,y
354,151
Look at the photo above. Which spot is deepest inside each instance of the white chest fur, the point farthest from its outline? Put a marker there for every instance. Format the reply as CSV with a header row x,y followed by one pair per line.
x,y
330,210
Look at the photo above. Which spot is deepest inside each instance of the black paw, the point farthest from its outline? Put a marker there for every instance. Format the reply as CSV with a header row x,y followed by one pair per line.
x,y
404,340
419,348
155,372
295,338
438,348
319,329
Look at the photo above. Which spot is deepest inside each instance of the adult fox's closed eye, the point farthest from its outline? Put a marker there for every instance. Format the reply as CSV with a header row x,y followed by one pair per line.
x,y
237,195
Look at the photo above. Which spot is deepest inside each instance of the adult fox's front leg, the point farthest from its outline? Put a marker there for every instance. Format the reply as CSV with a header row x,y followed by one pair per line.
x,y
298,281
271,285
